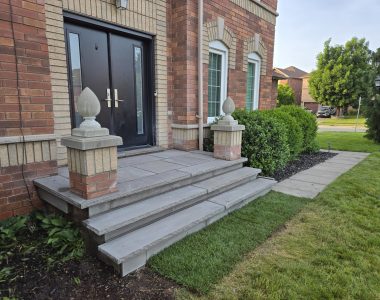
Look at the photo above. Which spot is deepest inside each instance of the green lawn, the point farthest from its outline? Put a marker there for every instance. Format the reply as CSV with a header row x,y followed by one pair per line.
x,y
330,250
347,141
202,259
342,121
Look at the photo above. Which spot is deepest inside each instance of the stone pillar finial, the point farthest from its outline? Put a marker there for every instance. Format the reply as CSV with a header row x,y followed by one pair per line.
x,y
228,108
227,134
88,106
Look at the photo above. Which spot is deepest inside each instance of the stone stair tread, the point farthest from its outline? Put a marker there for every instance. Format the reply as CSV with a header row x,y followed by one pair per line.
x,y
59,185
135,242
179,224
114,219
235,196
214,183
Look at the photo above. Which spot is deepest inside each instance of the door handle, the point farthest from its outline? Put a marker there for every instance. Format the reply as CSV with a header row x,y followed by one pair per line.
x,y
108,99
117,98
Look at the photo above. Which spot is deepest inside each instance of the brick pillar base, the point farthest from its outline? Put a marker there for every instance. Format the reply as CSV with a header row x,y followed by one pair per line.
x,y
227,141
92,163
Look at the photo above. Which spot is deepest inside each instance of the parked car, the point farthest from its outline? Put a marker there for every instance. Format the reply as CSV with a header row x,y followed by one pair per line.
x,y
326,112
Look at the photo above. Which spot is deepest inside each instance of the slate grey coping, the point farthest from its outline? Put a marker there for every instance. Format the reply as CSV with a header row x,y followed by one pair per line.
x,y
126,215
141,239
88,143
309,183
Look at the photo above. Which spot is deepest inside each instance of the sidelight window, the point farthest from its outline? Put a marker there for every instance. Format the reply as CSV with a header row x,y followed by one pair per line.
x,y
253,82
76,73
217,79
139,89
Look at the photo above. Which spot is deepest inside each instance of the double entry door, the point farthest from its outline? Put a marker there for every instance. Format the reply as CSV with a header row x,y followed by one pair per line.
x,y
115,67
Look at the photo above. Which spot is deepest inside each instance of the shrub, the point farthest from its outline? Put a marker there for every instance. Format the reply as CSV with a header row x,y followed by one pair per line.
x,y
372,113
264,141
308,124
285,95
293,130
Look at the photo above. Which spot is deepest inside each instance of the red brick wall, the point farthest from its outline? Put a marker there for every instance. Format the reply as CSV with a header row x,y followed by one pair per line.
x,y
34,94
296,85
33,66
244,25
14,197
182,73
183,61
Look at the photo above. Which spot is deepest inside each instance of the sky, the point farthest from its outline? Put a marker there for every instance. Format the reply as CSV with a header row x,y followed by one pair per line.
x,y
304,25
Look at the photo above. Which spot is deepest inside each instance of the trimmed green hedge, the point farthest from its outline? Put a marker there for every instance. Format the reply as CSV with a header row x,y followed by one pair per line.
x,y
293,130
265,141
308,124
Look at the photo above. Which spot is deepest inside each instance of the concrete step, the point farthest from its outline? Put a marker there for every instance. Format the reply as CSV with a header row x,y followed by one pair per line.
x,y
131,251
113,223
55,189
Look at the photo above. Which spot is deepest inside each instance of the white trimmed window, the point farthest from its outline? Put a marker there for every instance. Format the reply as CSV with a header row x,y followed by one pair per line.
x,y
253,82
217,79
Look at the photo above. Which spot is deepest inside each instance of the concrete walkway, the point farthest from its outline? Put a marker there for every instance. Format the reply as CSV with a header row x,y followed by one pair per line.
x,y
327,128
309,183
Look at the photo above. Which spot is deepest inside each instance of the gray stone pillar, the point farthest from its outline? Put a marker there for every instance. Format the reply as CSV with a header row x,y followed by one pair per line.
x,y
91,152
227,134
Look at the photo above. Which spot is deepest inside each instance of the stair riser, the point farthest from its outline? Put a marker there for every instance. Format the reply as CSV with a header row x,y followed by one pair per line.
x,y
102,208
136,261
143,222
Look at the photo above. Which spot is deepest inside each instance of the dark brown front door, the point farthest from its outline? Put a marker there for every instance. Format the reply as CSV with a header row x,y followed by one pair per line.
x,y
115,67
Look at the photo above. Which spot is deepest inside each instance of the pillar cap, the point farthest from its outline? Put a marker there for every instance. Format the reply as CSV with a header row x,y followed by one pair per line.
x,y
90,143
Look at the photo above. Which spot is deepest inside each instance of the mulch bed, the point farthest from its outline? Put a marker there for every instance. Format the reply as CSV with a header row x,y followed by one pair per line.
x,y
304,162
88,278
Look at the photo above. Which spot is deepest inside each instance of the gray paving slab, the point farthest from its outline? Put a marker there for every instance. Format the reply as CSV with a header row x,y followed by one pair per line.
x,y
131,173
136,160
169,153
159,166
325,179
189,159
210,166
309,183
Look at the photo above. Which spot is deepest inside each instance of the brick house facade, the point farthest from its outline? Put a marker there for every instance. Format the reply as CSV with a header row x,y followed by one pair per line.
x,y
294,78
37,103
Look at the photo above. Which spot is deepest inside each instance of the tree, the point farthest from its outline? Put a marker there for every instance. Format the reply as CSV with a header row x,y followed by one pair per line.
x,y
286,95
372,106
343,74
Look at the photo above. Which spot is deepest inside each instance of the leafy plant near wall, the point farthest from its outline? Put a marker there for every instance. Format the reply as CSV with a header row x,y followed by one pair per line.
x,y
265,141
286,95
62,236
308,124
26,237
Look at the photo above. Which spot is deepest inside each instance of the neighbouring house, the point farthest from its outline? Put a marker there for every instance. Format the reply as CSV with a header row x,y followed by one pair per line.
x,y
294,78
276,76
140,61
307,100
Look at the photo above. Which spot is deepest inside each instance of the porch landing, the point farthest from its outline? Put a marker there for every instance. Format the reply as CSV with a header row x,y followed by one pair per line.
x,y
162,197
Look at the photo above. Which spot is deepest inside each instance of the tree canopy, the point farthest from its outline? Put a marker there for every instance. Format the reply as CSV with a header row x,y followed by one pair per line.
x,y
286,95
344,73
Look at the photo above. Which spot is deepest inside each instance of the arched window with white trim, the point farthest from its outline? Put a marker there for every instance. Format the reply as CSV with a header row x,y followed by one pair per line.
x,y
253,82
217,79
